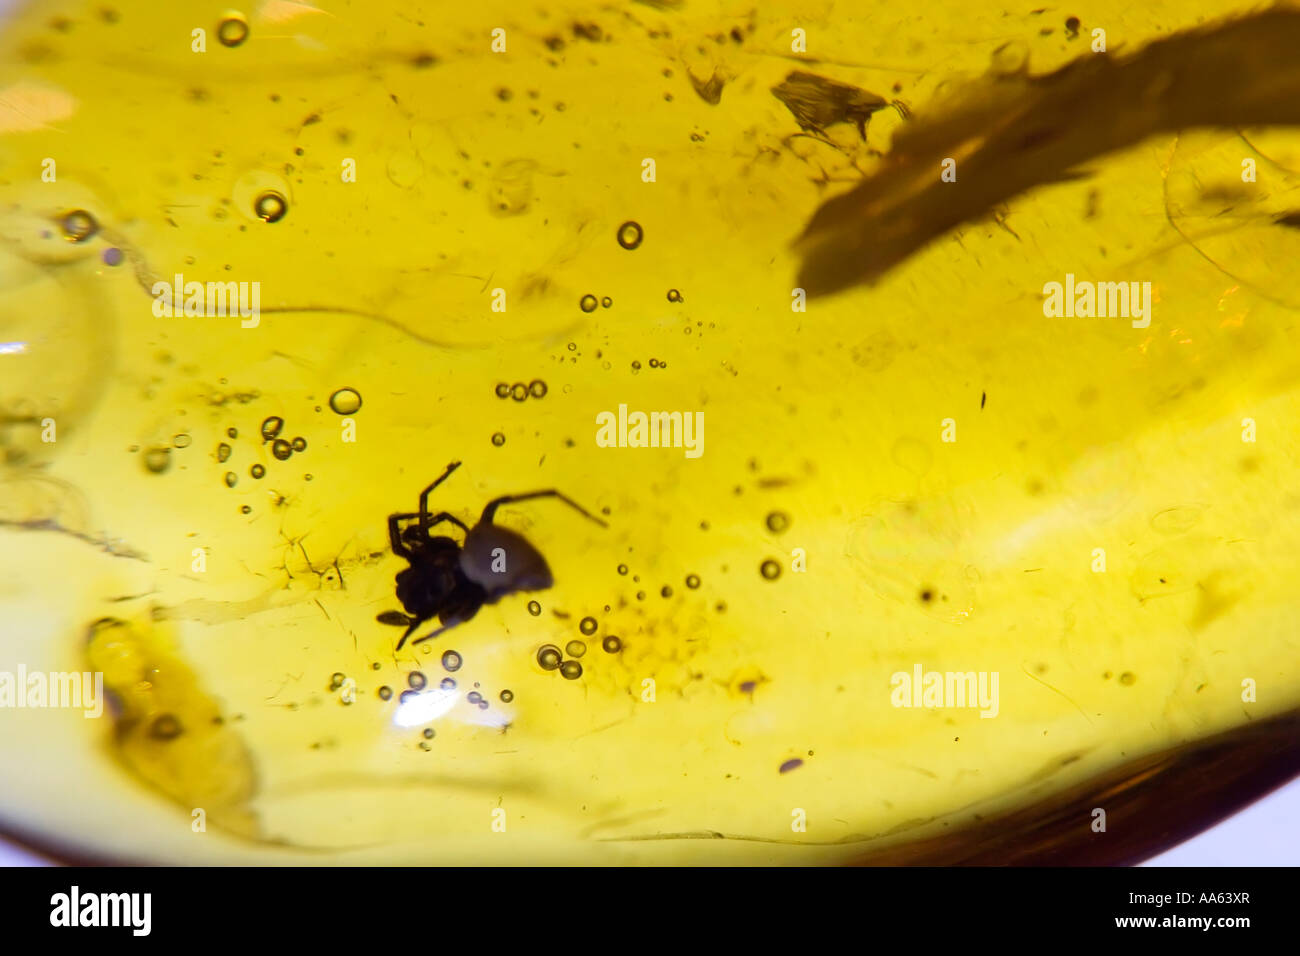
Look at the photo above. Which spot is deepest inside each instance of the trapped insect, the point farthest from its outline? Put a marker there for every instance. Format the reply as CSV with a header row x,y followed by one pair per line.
x,y
451,580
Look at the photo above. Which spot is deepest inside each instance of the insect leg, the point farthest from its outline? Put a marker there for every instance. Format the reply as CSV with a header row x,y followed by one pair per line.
x,y
444,516
495,503
424,495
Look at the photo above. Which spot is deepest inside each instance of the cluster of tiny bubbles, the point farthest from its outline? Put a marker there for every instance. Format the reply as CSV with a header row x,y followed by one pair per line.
x,y
270,206
473,697
570,670
451,661
630,235
549,657
692,581
416,680
181,441
346,401
587,303
507,696
385,693
611,644
770,569
534,608
587,625
674,296
336,680
622,569
575,648
156,460
257,471
271,427
777,522
447,683
79,225
231,478
498,439
232,30
281,449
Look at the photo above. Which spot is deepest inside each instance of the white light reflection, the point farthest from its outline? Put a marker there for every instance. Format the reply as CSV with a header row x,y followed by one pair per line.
x,y
424,707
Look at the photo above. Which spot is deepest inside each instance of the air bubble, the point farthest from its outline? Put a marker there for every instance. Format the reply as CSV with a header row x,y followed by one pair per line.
x,y
245,509
498,439
232,432
299,444
223,452
271,427
281,449
79,225
587,303
537,388
507,696
165,727
570,670
451,660
406,696
587,625
385,693
428,733
519,391
674,295
447,683
534,608
636,366
336,680
770,569
611,644
473,697
156,460
606,303
182,440
232,31
548,657
575,648
692,581
777,522
416,680
270,206
630,235
257,471
502,390
230,479
346,401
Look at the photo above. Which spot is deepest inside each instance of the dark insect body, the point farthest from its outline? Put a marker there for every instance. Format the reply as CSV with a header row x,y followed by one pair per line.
x,y
452,580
